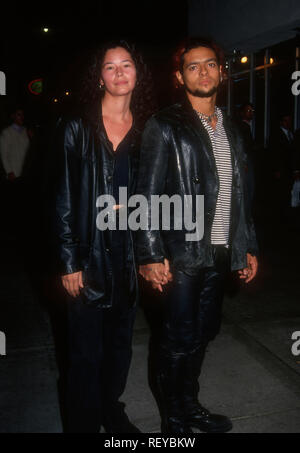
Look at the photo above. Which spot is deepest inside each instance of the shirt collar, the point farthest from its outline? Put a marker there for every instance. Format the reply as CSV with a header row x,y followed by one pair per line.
x,y
17,127
220,117
219,125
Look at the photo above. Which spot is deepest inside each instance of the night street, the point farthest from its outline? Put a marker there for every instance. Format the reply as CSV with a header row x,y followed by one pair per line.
x,y
147,151
250,373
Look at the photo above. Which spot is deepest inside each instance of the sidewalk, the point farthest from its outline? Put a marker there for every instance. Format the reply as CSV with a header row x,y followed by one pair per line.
x,y
249,374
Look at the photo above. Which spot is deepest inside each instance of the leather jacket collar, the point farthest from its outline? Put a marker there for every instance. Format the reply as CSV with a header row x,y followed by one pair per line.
x,y
198,127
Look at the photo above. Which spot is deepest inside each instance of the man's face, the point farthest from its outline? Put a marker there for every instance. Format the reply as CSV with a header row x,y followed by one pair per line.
x,y
248,113
18,117
201,74
286,122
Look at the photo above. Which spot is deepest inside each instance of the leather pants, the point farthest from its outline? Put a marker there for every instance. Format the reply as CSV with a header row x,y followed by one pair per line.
x,y
192,318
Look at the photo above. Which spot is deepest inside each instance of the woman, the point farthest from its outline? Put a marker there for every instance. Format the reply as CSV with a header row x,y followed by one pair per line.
x,y
98,154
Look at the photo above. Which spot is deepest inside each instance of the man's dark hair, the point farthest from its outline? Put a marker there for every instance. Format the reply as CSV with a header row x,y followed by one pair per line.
x,y
193,43
142,101
283,115
13,109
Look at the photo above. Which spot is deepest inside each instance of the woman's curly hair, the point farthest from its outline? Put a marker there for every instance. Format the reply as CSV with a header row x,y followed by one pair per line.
x,y
143,103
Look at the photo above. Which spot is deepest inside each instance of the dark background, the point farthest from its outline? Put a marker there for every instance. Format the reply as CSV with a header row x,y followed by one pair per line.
x,y
259,370
59,56
27,53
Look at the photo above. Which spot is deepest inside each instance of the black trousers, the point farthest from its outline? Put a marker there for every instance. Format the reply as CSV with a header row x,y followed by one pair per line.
x,y
191,318
99,359
193,306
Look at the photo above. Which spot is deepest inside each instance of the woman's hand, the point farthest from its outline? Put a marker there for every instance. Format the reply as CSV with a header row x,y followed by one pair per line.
x,y
73,283
158,274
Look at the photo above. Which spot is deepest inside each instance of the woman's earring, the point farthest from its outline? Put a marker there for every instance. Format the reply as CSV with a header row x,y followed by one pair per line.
x,y
101,86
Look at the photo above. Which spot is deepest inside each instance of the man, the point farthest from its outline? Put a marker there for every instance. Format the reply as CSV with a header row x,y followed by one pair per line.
x,y
191,148
14,144
246,113
246,117
282,154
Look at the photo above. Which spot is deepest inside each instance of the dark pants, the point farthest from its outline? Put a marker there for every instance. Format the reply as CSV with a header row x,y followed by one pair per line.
x,y
99,360
193,306
192,318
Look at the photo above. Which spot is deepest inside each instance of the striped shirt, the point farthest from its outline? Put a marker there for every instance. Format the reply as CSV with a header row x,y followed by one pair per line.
x,y
222,154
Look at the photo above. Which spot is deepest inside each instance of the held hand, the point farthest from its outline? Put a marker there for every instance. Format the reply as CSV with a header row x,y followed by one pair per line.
x,y
167,270
72,283
158,274
250,271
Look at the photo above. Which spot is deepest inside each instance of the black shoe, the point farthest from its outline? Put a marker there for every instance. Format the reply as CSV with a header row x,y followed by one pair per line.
x,y
120,424
203,420
175,425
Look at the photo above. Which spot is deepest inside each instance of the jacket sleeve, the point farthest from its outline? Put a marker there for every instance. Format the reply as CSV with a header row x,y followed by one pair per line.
x,y
66,186
151,181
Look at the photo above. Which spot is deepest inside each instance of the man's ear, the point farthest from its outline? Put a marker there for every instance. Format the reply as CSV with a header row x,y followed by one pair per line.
x,y
179,77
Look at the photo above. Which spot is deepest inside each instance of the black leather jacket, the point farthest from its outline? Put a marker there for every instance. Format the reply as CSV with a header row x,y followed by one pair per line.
x,y
177,158
84,171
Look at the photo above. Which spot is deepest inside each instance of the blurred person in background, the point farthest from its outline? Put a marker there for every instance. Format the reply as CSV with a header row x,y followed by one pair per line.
x,y
282,154
14,146
246,115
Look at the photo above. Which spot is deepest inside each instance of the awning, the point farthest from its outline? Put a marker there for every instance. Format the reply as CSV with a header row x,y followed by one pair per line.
x,y
246,25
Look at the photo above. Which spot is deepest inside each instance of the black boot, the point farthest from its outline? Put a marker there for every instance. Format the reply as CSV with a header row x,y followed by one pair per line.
x,y
203,420
170,384
117,421
196,416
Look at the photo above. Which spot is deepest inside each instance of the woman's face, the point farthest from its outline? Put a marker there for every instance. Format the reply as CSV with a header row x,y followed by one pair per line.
x,y
118,72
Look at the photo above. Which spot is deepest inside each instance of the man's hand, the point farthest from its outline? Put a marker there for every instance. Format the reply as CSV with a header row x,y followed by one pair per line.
x,y
250,271
72,283
158,274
